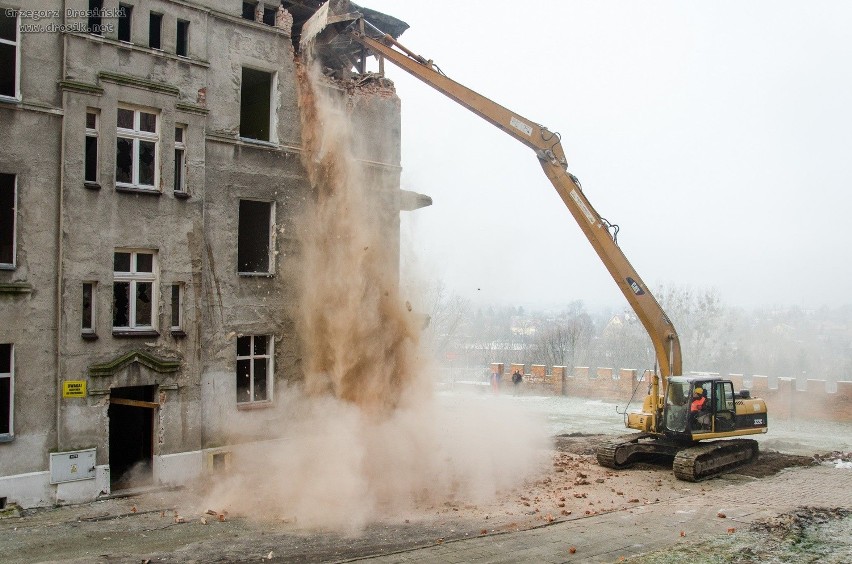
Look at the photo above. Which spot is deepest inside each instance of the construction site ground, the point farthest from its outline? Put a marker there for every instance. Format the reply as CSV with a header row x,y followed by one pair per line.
x,y
780,508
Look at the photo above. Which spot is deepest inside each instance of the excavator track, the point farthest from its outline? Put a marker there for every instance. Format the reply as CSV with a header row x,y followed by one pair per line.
x,y
626,450
692,464
706,460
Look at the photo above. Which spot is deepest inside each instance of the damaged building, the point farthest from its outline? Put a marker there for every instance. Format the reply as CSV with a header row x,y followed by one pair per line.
x,y
150,182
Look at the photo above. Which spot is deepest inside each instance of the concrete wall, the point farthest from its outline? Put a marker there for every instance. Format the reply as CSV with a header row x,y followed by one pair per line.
x,y
244,169
31,129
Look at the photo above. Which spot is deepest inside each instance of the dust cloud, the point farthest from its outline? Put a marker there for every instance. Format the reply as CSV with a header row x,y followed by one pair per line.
x,y
364,439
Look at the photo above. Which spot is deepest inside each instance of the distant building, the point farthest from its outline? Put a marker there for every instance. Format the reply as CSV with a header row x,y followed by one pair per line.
x,y
149,181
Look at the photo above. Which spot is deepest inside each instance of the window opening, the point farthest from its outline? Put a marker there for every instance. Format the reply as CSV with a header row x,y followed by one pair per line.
x,y
177,307
248,10
136,149
91,150
9,53
182,47
8,216
134,290
7,387
89,308
254,368
219,461
269,15
155,31
95,22
125,19
180,159
254,238
255,104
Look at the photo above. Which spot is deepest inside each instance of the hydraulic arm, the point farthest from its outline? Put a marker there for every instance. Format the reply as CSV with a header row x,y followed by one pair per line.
x,y
548,149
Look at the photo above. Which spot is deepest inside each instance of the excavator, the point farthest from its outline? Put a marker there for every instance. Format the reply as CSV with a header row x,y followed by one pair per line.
x,y
690,419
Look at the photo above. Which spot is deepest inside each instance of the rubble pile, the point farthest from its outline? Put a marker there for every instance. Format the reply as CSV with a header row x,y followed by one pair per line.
x,y
836,458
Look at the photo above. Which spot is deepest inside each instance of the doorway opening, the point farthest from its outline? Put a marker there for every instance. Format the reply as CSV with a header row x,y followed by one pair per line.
x,y
131,436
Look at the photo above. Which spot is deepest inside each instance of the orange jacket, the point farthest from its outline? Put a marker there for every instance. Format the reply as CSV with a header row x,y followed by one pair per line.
x,y
698,404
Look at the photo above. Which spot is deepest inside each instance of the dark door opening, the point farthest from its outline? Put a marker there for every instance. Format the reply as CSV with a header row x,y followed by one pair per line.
x,y
131,436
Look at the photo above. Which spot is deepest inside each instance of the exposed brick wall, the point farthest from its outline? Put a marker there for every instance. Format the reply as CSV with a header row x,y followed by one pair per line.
x,y
781,404
559,374
842,402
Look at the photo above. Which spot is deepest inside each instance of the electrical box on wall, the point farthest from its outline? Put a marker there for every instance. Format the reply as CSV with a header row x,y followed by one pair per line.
x,y
72,466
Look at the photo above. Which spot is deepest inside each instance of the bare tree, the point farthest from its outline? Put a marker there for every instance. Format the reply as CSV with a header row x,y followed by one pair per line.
x,y
565,340
698,318
487,337
624,343
448,313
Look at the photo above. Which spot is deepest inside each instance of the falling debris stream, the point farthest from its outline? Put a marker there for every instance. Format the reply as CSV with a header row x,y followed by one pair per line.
x,y
359,338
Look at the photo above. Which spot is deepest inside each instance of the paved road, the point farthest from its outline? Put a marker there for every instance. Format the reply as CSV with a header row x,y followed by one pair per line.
x,y
605,538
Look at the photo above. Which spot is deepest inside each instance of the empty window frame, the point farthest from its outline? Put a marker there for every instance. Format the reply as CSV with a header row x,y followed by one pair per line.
x,y
134,290
137,137
177,307
91,149
89,314
254,240
248,10
7,390
95,21
269,15
182,45
10,54
125,22
8,216
180,159
254,368
155,31
256,104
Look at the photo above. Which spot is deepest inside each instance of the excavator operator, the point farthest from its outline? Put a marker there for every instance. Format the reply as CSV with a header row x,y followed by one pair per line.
x,y
698,408
698,400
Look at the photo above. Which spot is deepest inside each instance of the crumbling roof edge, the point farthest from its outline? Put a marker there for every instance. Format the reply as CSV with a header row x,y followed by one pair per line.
x,y
385,22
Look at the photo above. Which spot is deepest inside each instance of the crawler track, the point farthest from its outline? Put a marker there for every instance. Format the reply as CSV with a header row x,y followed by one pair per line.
x,y
711,459
691,463
627,450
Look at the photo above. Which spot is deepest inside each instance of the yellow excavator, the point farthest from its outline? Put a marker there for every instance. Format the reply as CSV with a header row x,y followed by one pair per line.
x,y
678,411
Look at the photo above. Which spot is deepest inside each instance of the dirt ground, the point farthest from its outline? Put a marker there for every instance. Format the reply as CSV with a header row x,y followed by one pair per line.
x,y
806,535
173,526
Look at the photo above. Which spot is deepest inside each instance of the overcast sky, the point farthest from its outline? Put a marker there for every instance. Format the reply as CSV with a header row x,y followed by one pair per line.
x,y
717,134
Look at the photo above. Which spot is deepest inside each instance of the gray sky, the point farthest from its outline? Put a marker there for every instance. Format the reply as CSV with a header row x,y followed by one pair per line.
x,y
718,135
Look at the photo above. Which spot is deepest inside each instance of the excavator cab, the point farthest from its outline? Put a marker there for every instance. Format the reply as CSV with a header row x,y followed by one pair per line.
x,y
698,408
689,407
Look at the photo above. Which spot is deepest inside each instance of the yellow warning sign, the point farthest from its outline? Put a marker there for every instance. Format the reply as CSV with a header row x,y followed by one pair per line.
x,y
74,389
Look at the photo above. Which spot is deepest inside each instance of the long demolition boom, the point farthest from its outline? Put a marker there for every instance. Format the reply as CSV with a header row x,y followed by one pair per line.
x,y
548,149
